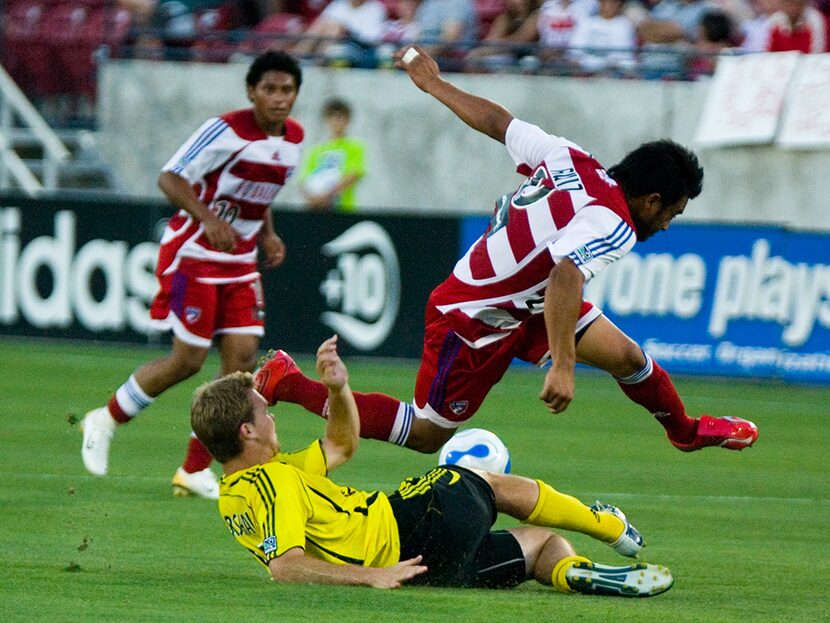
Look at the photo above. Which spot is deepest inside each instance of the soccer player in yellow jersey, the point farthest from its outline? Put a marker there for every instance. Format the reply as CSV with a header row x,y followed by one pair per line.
x,y
433,530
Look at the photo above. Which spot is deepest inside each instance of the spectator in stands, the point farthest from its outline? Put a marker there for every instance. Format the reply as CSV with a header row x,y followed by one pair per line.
x,y
797,26
755,31
558,19
402,27
445,24
332,169
346,32
604,41
716,35
516,25
674,21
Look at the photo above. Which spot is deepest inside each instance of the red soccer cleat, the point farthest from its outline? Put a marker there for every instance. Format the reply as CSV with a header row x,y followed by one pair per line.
x,y
276,366
732,433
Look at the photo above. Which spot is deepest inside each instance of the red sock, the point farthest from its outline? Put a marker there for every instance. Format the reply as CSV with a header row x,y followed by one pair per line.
x,y
657,394
198,457
116,411
377,411
377,415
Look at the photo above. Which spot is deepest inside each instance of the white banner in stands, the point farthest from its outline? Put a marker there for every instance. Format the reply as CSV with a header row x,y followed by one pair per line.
x,y
746,99
806,122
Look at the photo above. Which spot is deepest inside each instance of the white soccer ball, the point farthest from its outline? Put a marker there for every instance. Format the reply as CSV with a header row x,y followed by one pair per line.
x,y
477,448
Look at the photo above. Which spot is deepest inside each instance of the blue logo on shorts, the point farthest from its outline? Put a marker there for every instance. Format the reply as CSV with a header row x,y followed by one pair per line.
x,y
584,254
459,406
192,314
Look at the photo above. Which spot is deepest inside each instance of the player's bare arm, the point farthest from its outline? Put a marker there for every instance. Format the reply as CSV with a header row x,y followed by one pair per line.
x,y
343,424
295,567
563,300
177,189
273,247
477,112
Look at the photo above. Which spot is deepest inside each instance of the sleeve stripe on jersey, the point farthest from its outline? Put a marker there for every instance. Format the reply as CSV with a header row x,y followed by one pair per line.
x,y
602,246
205,138
262,487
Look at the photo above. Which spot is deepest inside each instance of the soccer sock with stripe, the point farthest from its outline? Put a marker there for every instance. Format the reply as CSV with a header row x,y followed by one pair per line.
x,y
559,510
128,401
198,457
652,388
379,413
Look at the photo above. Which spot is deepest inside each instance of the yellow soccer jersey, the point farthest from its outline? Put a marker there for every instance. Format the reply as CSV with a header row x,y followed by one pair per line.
x,y
290,502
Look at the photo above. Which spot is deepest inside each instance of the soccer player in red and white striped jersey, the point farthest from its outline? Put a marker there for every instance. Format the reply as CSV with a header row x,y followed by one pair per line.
x,y
222,180
517,292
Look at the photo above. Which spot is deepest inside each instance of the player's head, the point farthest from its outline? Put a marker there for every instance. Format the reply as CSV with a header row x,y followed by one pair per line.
x,y
273,80
227,413
658,179
274,61
337,113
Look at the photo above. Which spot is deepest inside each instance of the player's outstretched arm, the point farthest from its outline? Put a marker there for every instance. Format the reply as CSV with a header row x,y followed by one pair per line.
x,y
563,300
296,567
343,424
479,113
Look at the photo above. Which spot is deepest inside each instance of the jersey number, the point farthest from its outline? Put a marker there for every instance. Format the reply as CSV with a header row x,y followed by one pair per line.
x,y
226,210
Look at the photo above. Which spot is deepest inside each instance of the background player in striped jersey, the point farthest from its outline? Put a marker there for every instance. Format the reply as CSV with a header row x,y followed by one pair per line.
x,y
517,292
433,530
222,180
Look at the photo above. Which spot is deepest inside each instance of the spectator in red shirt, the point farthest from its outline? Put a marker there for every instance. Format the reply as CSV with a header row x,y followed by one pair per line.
x,y
797,26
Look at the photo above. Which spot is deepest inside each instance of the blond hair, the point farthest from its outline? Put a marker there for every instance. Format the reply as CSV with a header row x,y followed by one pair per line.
x,y
217,411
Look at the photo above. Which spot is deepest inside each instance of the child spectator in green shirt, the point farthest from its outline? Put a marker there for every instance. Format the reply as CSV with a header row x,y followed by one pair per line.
x,y
331,170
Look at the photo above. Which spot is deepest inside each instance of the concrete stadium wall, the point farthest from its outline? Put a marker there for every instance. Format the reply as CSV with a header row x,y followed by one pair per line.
x,y
420,157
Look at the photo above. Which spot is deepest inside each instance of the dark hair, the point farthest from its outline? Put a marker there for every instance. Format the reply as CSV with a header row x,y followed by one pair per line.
x,y
716,27
274,61
217,411
662,167
337,106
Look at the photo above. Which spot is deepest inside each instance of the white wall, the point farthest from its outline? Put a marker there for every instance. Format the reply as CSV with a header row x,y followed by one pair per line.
x,y
422,158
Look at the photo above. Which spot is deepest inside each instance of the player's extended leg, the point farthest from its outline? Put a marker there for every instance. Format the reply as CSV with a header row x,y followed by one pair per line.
x,y
136,394
280,379
642,379
537,503
551,560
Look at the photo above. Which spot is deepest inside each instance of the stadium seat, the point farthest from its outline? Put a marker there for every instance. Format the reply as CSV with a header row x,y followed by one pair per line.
x,y
26,55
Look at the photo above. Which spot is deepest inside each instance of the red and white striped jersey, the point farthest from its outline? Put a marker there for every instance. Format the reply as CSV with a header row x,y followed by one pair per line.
x,y
567,207
236,170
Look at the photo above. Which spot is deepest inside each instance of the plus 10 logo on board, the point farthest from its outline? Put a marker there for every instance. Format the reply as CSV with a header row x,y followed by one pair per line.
x,y
51,282
363,290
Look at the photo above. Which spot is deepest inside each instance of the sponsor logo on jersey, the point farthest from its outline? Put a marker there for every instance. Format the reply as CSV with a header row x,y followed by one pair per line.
x,y
192,314
584,254
269,545
459,406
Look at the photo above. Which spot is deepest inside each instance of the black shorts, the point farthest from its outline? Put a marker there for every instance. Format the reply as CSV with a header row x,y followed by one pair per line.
x,y
445,516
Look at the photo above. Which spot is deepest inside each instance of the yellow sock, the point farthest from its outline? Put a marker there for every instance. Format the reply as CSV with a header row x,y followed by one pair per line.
x,y
558,510
558,577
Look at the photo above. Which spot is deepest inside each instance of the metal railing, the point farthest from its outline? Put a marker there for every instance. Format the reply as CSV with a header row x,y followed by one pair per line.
x,y
15,107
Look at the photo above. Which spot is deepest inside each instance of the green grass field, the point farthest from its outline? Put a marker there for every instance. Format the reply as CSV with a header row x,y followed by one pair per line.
x,y
744,533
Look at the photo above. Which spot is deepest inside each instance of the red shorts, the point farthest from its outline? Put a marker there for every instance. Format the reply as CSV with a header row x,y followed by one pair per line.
x,y
454,378
196,311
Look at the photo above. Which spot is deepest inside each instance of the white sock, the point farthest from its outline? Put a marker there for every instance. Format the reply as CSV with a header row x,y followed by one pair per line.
x,y
402,425
131,398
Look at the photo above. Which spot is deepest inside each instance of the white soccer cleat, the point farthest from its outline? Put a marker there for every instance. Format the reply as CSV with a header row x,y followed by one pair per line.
x,y
640,580
203,483
98,428
630,541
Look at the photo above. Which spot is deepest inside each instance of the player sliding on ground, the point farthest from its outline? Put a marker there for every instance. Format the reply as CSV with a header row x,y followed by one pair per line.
x,y
517,292
433,530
